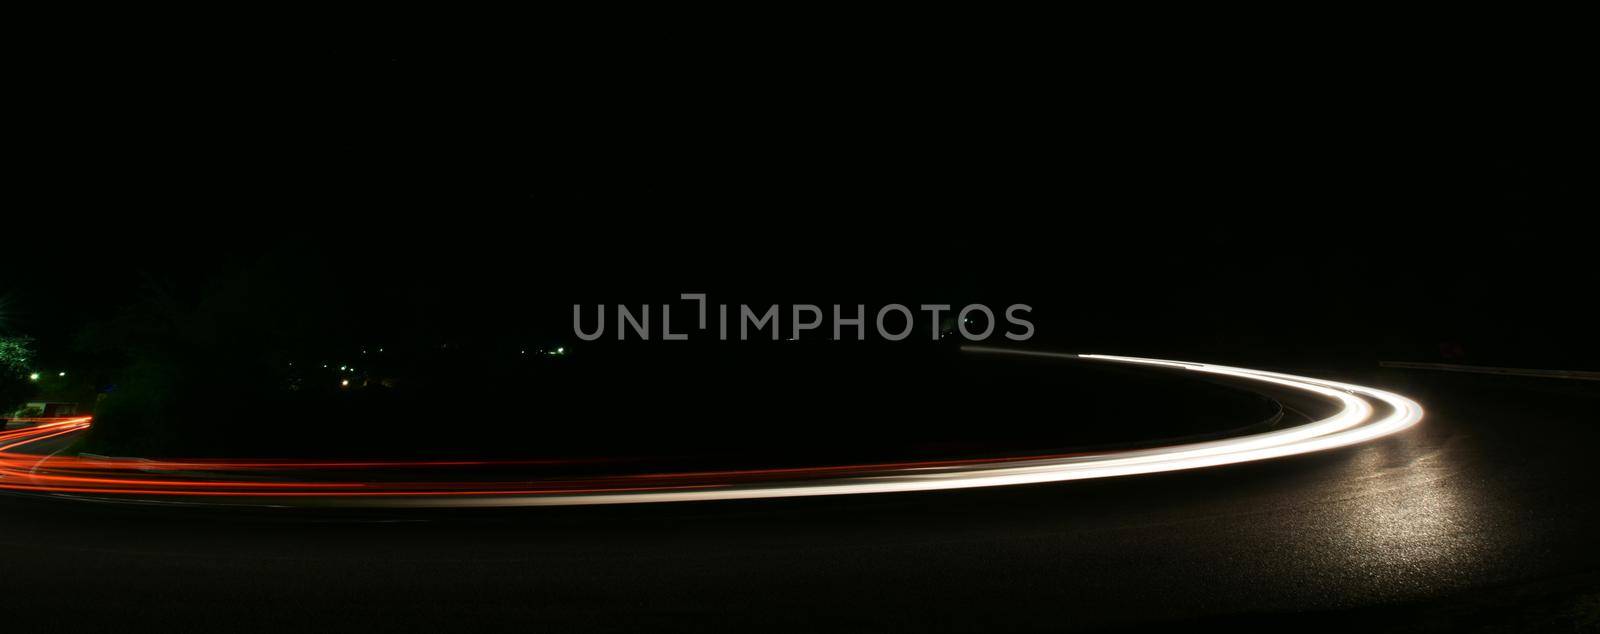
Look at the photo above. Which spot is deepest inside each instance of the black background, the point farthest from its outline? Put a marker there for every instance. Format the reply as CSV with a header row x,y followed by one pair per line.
x,y
1221,201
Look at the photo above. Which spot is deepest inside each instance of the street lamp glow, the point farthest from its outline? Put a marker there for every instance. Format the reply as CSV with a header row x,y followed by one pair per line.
x,y
34,376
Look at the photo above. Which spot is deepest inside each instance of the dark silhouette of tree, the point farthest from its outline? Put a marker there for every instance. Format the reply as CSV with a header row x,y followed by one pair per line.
x,y
16,384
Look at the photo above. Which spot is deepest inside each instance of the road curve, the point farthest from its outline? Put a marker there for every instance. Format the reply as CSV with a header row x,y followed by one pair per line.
x,y
1362,414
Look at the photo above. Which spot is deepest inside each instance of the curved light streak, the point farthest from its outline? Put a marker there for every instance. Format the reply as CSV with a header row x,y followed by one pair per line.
x,y
219,481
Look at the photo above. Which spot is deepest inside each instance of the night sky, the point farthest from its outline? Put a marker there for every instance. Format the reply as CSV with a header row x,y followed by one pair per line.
x,y
1232,210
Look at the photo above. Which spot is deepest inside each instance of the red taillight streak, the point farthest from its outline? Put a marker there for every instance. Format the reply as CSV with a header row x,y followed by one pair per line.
x,y
72,474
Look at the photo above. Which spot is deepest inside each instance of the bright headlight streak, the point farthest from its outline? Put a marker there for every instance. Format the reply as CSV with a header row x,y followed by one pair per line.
x,y
1350,425
1342,429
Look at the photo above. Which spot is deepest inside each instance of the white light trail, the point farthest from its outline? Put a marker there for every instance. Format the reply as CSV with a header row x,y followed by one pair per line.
x,y
1353,424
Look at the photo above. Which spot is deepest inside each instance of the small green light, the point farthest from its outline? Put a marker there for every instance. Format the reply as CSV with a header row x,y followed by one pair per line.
x,y
34,376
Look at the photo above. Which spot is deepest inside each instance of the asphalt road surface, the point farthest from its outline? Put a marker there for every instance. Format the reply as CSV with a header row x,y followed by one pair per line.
x,y
1482,518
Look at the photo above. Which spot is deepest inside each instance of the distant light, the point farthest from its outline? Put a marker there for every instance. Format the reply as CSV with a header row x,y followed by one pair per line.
x,y
344,383
341,367
34,376
561,350
62,374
